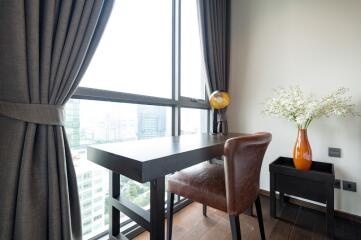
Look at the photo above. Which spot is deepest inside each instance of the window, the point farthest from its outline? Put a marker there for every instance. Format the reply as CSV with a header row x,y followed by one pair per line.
x,y
192,74
97,217
135,52
130,92
193,121
86,204
86,213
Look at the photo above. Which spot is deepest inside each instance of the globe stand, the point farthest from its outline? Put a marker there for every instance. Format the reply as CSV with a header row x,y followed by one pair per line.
x,y
222,125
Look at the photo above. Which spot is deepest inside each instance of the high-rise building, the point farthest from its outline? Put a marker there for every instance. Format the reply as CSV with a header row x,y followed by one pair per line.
x,y
151,121
72,123
93,191
92,188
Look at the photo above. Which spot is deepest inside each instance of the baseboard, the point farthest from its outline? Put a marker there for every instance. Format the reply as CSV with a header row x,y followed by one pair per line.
x,y
338,213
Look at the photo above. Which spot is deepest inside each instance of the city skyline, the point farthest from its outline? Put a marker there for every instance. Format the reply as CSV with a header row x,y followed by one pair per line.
x,y
84,126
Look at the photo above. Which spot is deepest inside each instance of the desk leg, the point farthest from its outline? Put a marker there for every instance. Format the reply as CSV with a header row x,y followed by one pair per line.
x,y
114,214
272,196
330,214
157,188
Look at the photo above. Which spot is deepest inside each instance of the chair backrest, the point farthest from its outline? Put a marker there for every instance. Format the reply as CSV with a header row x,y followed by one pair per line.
x,y
243,161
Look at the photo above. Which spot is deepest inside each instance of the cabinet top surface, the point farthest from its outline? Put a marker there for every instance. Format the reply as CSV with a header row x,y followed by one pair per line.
x,y
316,168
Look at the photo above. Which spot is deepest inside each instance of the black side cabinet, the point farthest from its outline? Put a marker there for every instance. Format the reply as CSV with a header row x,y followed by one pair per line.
x,y
317,184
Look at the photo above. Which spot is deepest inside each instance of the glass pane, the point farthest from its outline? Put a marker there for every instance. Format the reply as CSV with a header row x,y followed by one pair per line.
x,y
192,74
193,121
93,122
135,52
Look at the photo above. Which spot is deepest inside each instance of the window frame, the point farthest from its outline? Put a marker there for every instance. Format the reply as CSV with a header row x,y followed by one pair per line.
x,y
176,102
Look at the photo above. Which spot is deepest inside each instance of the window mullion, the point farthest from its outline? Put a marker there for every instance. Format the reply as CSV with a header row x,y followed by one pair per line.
x,y
176,68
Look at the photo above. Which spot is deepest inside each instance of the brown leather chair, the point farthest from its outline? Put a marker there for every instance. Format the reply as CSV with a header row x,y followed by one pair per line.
x,y
232,188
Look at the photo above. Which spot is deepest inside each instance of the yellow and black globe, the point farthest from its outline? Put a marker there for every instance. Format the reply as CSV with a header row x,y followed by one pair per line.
x,y
219,100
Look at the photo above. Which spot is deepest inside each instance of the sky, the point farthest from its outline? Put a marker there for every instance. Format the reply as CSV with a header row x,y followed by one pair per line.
x,y
135,52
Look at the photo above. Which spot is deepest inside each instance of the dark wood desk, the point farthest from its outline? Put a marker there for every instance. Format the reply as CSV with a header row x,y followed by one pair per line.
x,y
150,161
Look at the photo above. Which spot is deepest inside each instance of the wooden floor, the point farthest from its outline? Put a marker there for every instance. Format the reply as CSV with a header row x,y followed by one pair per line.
x,y
295,222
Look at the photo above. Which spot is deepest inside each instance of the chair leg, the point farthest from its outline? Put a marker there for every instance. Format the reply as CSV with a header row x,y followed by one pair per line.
x,y
260,219
170,215
235,227
205,210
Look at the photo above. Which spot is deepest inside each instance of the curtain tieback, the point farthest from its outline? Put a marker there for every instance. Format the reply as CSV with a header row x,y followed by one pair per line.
x,y
33,113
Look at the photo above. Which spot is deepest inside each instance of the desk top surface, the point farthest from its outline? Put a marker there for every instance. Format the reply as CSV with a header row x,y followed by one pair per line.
x,y
142,160
149,149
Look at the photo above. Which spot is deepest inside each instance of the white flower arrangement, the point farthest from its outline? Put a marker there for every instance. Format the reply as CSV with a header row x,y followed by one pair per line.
x,y
294,105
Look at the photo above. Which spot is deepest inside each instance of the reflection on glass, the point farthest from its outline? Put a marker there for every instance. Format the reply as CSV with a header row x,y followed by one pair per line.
x,y
92,122
192,76
193,121
135,52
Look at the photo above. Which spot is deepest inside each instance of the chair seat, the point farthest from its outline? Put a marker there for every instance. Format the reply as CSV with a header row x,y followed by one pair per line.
x,y
203,183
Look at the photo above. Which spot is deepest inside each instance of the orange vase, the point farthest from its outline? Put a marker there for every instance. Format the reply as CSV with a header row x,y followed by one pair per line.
x,y
302,153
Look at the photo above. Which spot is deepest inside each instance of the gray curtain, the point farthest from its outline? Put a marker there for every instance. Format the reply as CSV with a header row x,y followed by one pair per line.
x,y
214,19
45,47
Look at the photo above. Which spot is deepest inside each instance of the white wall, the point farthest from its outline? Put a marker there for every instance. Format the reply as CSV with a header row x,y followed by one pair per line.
x,y
315,44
